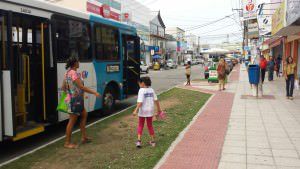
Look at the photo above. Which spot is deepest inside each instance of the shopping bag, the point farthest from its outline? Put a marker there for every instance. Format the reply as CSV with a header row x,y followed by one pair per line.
x,y
62,105
297,84
161,115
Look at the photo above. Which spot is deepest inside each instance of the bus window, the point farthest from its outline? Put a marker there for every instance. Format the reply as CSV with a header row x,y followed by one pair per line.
x,y
98,43
107,43
73,39
3,40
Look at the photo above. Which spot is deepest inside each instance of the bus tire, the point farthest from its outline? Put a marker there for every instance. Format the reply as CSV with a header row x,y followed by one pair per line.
x,y
108,101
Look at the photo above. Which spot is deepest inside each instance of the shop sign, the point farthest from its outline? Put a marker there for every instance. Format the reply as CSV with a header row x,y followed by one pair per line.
x,y
126,17
90,7
249,9
278,18
106,11
253,30
114,15
154,48
264,24
293,11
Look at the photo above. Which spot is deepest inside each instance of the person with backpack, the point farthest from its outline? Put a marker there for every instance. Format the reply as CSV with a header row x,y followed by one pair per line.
x,y
263,66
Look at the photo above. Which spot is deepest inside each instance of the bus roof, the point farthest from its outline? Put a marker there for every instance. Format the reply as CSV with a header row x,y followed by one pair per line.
x,y
56,9
99,19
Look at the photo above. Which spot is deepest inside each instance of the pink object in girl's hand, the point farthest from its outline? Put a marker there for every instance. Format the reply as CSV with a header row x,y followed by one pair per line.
x,y
161,115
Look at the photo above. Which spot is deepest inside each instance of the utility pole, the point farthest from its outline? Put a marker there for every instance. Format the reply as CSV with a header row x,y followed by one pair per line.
x,y
199,50
245,37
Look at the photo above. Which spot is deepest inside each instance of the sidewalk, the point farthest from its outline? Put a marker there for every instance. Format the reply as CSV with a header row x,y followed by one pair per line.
x,y
262,133
235,130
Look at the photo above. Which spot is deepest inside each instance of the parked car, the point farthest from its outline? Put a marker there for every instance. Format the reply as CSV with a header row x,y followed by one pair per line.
x,y
171,64
144,67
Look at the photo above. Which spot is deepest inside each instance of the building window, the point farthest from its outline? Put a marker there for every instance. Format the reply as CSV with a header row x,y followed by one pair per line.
x,y
106,43
72,39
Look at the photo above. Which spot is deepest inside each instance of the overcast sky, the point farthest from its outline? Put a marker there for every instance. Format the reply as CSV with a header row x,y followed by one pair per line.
x,y
190,13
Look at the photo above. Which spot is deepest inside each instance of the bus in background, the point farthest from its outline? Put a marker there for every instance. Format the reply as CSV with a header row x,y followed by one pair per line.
x,y
36,38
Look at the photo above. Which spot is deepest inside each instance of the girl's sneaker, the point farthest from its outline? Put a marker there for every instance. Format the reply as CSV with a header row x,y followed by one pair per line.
x,y
152,143
138,144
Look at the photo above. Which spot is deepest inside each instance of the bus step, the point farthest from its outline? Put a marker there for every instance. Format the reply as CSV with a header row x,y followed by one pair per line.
x,y
28,130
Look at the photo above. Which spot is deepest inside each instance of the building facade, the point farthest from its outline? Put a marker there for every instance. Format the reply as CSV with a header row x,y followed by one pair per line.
x,y
157,36
139,16
192,44
179,35
286,32
110,9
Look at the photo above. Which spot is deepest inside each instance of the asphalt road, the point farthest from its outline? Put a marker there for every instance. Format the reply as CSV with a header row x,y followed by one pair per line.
x,y
161,81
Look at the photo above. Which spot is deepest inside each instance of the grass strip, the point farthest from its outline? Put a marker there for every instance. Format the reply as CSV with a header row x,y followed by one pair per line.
x,y
114,139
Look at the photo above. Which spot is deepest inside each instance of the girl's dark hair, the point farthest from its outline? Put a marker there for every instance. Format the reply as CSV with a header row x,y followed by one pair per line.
x,y
189,63
71,61
146,80
288,59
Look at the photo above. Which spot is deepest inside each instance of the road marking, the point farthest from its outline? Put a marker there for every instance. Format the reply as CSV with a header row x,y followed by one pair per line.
x,y
181,135
76,131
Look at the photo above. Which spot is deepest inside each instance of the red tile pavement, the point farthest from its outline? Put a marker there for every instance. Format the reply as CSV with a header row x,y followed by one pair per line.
x,y
202,144
235,75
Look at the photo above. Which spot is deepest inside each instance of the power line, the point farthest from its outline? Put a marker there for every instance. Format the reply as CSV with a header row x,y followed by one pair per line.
x,y
207,24
217,29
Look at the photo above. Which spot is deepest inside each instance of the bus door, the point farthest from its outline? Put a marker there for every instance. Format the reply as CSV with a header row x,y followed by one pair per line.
x,y
2,66
29,67
131,64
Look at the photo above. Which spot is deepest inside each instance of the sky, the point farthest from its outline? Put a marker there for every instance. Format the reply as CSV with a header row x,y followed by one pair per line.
x,y
187,14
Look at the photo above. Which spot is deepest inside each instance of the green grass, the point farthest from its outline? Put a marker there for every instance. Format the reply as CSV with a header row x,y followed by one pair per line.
x,y
114,139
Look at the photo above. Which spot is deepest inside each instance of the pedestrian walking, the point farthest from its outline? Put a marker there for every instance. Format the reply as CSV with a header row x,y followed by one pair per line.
x,y
278,65
74,87
221,70
145,109
290,75
188,73
271,67
263,66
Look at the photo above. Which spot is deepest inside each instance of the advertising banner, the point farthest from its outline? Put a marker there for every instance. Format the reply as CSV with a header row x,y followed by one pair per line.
x,y
249,9
253,29
293,11
278,18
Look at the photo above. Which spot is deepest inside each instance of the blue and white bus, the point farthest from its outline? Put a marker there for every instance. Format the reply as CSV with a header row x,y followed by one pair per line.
x,y
36,38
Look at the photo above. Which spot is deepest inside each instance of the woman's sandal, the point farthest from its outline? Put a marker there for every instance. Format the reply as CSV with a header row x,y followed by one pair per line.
x,y
71,146
86,140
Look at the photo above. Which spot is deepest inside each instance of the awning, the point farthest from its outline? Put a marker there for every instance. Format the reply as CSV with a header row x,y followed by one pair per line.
x,y
276,42
156,57
288,31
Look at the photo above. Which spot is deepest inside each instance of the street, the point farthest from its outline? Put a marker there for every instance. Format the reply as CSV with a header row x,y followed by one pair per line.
x,y
161,81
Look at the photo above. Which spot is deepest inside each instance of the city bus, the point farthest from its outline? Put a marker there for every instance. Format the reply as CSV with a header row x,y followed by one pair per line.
x,y
36,38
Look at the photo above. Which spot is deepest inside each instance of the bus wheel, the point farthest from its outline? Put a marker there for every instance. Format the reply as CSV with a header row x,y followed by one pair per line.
x,y
108,101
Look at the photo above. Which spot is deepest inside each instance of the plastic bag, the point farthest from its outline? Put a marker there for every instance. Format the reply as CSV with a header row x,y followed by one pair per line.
x,y
62,105
297,84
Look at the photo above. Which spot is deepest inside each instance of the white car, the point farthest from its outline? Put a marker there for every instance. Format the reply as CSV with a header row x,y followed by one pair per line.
x,y
144,67
171,64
